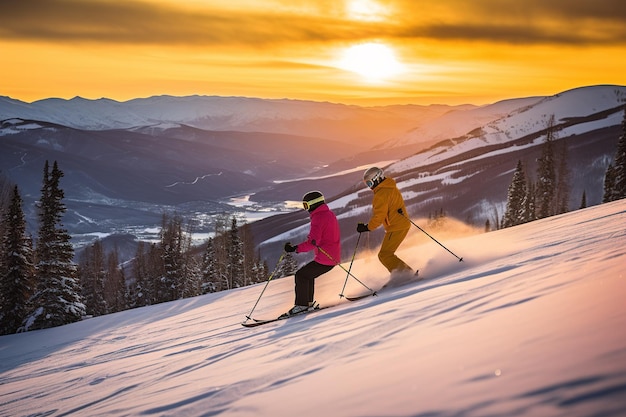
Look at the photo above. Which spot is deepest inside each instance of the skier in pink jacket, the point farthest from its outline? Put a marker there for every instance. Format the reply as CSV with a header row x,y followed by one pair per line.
x,y
324,233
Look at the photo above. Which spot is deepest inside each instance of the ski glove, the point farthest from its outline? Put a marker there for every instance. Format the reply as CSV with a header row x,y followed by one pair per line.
x,y
290,248
362,227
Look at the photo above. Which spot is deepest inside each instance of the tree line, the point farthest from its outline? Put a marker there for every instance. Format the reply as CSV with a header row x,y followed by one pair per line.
x,y
41,286
549,195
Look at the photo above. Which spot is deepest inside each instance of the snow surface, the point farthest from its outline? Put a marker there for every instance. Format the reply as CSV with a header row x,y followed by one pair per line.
x,y
530,324
525,121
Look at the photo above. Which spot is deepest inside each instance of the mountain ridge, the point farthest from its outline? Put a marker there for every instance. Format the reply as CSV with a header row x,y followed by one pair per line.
x,y
166,165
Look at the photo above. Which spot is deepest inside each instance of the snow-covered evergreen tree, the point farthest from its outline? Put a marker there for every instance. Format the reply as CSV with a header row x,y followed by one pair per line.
x,y
16,267
115,290
515,212
250,261
92,276
139,293
619,191
609,184
57,299
171,282
288,267
235,256
615,178
546,175
562,182
209,268
261,272
530,202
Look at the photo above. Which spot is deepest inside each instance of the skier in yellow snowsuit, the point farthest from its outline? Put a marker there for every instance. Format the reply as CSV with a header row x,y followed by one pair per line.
x,y
385,204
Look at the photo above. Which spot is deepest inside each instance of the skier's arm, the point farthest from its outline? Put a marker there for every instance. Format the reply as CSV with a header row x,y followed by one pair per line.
x,y
379,207
315,235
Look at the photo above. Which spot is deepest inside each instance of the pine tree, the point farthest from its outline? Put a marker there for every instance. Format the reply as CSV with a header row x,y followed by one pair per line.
x,y
221,256
115,284
609,184
530,202
563,182
615,179
192,274
261,272
288,267
546,176
249,259
210,280
171,282
583,201
141,294
57,300
515,206
235,256
92,276
16,267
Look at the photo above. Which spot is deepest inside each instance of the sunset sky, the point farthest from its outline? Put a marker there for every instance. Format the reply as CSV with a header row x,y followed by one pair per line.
x,y
364,52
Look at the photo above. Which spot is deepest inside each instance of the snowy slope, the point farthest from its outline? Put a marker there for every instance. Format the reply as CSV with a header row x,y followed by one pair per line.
x,y
530,120
460,121
531,324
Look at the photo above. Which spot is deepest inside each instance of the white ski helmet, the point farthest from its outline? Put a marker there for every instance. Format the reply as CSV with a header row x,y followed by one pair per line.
x,y
373,176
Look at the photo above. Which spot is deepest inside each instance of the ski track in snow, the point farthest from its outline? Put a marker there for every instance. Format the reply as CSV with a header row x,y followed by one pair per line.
x,y
530,324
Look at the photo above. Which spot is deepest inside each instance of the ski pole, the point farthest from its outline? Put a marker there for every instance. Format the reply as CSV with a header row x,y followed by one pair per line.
x,y
350,268
407,217
267,283
342,267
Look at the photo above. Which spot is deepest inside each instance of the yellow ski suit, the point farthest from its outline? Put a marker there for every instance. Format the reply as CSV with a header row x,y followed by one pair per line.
x,y
385,204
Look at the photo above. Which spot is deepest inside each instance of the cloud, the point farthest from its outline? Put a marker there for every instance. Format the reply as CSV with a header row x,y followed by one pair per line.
x,y
149,23
530,22
275,21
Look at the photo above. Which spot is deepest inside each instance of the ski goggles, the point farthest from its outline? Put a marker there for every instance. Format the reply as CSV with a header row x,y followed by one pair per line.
x,y
370,183
307,204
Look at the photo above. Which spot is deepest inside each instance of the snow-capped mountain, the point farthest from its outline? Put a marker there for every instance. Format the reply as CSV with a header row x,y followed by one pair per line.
x,y
362,127
467,176
128,162
458,122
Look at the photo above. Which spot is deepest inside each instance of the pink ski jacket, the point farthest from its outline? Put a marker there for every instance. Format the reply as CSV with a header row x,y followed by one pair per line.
x,y
324,232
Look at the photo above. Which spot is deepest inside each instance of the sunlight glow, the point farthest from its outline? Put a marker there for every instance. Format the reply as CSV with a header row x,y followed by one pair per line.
x,y
374,61
367,10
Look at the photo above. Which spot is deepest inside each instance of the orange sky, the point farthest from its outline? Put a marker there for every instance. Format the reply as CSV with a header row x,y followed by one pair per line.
x,y
417,51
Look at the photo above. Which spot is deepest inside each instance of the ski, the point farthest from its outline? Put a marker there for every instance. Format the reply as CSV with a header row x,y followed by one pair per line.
x,y
360,297
255,323
260,322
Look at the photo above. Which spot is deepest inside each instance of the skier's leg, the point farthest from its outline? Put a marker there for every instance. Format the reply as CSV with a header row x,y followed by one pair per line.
x,y
305,281
387,255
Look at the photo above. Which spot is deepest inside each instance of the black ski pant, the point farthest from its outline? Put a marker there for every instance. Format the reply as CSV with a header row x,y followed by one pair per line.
x,y
305,281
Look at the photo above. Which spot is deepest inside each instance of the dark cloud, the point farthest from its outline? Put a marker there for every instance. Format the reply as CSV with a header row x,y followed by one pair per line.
x,y
517,34
133,22
503,21
564,10
573,22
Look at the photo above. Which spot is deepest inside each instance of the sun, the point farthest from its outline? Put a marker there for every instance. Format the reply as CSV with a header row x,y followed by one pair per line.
x,y
374,61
